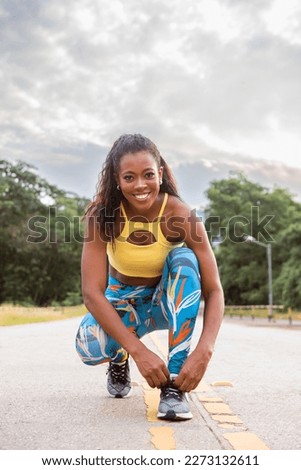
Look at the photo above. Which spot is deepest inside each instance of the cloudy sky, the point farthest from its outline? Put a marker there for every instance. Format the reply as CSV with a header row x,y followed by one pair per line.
x,y
214,83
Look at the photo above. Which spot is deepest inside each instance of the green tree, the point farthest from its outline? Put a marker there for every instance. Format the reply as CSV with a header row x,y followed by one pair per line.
x,y
40,239
238,208
288,282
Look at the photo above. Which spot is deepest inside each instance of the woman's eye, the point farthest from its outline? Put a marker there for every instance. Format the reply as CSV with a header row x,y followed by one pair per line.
x,y
128,178
150,175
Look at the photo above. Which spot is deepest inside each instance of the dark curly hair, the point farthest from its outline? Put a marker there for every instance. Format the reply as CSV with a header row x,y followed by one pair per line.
x,y
107,198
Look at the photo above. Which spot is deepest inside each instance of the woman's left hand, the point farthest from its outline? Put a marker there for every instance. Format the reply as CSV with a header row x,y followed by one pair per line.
x,y
193,370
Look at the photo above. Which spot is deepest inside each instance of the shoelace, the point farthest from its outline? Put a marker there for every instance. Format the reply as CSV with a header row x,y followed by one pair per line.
x,y
118,372
169,391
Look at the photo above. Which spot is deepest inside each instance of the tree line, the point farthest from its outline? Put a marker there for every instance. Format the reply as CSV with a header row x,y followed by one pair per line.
x,y
239,209
40,240
41,236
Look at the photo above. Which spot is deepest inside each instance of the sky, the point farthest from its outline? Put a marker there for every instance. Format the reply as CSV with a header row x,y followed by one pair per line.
x,y
214,83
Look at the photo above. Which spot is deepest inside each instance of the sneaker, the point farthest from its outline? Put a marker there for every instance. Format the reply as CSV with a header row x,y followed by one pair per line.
x,y
119,380
173,404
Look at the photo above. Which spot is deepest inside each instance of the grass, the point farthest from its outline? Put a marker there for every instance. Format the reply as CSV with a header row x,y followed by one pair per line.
x,y
262,312
11,315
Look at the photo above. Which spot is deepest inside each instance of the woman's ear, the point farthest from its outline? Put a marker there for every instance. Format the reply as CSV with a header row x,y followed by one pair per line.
x,y
161,174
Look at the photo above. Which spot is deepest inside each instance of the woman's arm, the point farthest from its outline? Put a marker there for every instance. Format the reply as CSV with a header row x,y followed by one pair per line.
x,y
94,280
194,234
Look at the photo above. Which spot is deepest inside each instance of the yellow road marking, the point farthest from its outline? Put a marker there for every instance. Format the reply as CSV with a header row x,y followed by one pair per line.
x,y
217,409
163,438
231,426
222,383
245,441
209,399
227,419
151,399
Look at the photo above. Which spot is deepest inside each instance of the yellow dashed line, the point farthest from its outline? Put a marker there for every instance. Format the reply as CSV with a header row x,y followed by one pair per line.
x,y
245,441
222,383
229,419
222,413
210,399
217,409
163,438
231,426
151,399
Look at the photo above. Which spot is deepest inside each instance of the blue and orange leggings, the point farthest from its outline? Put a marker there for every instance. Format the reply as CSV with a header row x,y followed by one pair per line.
x,y
173,305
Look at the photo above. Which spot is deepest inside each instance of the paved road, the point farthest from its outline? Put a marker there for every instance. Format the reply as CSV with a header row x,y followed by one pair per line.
x,y
50,400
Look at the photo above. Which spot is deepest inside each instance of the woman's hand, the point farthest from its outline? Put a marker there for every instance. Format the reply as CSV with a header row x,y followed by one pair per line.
x,y
151,367
193,370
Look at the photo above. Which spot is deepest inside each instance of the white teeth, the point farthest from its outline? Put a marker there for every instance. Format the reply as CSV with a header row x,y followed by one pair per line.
x,y
141,196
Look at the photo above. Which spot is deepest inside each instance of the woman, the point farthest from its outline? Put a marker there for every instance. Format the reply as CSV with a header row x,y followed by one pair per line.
x,y
143,259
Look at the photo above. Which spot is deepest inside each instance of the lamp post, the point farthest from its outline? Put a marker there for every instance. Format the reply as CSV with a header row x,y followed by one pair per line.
x,y
268,247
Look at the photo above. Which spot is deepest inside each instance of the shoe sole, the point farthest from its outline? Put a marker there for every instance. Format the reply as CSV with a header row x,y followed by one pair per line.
x,y
118,395
172,416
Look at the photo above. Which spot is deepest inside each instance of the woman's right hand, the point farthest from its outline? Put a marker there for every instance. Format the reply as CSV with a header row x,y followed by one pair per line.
x,y
151,367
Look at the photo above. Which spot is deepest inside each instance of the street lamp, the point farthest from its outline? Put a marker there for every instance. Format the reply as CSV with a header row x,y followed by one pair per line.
x,y
268,246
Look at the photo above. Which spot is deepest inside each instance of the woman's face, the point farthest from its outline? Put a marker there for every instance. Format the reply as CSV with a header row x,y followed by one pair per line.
x,y
139,179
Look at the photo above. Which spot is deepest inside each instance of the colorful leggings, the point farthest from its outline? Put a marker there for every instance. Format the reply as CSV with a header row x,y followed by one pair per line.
x,y
173,304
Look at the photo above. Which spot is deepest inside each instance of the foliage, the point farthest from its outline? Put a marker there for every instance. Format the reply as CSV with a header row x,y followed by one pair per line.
x,y
40,238
239,208
289,281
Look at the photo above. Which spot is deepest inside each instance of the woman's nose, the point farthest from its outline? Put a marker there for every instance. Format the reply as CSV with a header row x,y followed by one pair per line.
x,y
140,183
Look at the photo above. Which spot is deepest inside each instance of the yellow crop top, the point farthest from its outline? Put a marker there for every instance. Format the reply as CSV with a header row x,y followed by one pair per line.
x,y
140,260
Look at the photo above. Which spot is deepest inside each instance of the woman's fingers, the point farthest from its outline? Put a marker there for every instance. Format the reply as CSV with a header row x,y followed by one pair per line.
x,y
157,379
153,369
150,382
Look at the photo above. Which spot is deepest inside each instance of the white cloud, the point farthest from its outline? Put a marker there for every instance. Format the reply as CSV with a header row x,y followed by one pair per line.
x,y
203,79
283,19
217,18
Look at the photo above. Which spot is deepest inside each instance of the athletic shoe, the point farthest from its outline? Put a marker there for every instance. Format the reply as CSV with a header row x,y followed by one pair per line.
x,y
173,404
119,380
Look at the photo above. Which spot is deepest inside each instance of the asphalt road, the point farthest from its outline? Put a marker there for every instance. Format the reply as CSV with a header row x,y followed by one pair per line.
x,y
249,399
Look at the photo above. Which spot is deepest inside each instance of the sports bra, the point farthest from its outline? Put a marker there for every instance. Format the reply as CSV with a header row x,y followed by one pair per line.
x,y
140,260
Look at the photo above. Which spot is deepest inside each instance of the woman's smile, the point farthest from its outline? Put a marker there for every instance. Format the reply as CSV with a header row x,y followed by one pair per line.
x,y
141,197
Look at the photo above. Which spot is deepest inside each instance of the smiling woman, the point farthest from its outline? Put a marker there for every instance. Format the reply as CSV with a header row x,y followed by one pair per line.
x,y
141,267
138,179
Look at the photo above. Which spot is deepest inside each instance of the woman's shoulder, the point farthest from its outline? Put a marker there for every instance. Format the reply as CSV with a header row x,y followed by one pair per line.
x,y
176,206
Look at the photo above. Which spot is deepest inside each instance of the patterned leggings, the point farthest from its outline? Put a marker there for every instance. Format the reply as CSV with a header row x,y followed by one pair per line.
x,y
173,304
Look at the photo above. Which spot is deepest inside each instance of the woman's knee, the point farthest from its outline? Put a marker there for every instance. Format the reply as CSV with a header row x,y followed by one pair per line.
x,y
87,341
183,256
